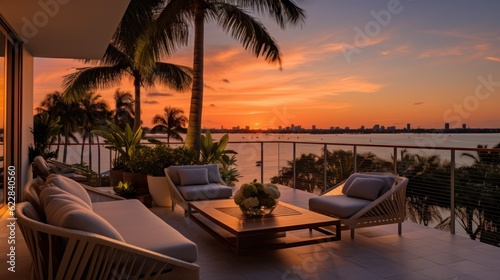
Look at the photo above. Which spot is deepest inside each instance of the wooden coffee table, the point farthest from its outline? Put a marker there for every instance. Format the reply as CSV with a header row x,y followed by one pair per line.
x,y
284,228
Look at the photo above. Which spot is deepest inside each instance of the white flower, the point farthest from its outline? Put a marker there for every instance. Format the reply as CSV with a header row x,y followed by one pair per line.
x,y
250,202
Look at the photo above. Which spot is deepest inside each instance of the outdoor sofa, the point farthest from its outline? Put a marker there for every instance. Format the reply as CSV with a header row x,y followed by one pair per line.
x,y
195,182
365,200
77,232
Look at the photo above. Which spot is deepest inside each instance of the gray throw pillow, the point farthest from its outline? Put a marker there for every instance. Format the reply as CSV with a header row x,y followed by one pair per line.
x,y
197,176
365,188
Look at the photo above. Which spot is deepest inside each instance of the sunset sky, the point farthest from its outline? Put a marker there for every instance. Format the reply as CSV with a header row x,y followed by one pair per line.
x,y
351,63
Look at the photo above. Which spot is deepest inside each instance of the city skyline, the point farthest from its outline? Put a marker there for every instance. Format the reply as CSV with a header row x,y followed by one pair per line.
x,y
350,64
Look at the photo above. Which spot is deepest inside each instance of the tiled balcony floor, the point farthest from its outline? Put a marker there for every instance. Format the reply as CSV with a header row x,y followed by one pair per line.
x,y
375,253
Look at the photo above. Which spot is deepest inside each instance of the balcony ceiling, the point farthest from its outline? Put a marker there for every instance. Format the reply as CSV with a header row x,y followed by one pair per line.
x,y
64,28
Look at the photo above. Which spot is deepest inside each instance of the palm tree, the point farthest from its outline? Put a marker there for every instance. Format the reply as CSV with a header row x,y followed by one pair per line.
x,y
69,113
127,55
233,18
124,109
172,122
94,113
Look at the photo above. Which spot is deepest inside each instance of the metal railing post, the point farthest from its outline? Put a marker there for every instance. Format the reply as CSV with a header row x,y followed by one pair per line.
x,y
452,192
294,165
355,151
325,165
395,160
262,162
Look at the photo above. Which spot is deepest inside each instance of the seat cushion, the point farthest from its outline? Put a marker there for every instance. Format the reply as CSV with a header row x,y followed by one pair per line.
x,y
208,191
387,178
70,186
340,206
212,172
365,188
139,226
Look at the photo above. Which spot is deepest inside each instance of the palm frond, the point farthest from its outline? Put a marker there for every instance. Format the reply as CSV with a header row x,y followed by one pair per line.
x,y
175,76
283,11
86,79
249,31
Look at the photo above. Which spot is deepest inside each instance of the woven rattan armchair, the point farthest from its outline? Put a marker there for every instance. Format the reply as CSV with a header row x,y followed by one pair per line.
x,y
357,210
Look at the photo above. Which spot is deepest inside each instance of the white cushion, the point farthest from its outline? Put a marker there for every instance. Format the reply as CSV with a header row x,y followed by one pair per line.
x,y
195,176
365,188
49,192
140,227
71,215
70,186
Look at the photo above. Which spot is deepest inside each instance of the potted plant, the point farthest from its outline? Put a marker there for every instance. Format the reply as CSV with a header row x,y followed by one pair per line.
x,y
154,160
124,142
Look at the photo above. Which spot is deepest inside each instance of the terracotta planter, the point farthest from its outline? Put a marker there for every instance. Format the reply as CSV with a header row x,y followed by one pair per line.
x,y
158,189
115,176
138,180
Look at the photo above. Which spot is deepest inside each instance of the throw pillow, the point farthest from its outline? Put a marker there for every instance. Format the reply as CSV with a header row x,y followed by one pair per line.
x,y
49,192
71,215
70,186
198,176
365,188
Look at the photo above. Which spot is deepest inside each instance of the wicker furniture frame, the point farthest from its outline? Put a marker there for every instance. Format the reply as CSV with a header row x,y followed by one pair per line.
x,y
389,208
60,253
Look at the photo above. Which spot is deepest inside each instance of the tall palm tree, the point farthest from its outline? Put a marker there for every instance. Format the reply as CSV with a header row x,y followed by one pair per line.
x,y
172,122
94,113
124,109
126,55
232,17
69,113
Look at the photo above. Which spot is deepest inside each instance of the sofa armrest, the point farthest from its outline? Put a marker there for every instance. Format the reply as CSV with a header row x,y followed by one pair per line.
x,y
100,196
59,253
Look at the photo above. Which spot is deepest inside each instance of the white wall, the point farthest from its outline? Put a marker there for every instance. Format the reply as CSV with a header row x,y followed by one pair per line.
x,y
25,173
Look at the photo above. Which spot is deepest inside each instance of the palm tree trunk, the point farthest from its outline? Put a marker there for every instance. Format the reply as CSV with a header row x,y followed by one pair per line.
x,y
137,113
194,128
83,147
91,141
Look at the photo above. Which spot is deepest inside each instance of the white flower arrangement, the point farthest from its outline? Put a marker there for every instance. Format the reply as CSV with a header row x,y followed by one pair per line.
x,y
256,195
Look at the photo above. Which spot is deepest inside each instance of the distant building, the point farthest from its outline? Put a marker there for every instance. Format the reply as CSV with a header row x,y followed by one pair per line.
x,y
362,127
447,126
247,127
391,128
408,126
313,127
464,126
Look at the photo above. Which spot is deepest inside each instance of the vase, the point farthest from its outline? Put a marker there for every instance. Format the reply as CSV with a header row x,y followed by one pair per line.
x,y
257,212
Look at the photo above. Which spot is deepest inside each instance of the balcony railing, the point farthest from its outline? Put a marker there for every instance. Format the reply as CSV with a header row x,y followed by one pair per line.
x,y
441,178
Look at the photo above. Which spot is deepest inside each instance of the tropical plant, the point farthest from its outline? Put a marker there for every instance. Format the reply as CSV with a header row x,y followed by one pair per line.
x,y
233,18
213,152
70,114
153,160
172,122
228,171
45,131
125,189
126,56
124,141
